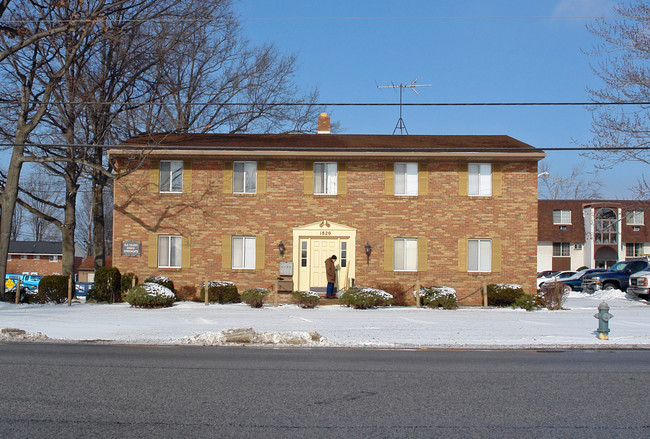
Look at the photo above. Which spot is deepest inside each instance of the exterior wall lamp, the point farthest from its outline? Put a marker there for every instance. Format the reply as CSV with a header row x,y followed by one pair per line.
x,y
281,248
368,248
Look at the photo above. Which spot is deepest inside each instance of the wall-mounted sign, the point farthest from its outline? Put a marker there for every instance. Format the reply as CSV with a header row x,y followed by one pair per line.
x,y
286,268
131,248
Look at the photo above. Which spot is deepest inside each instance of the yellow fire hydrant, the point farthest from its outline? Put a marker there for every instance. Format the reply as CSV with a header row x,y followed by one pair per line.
x,y
603,317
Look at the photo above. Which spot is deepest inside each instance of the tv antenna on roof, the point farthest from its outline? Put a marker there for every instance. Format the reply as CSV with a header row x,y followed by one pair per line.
x,y
401,126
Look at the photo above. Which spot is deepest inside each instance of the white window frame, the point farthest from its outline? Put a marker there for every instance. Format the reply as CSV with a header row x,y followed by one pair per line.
x,y
562,216
328,174
634,217
479,255
248,171
479,179
406,179
636,247
170,251
405,254
563,248
54,258
171,180
243,252
23,256
37,257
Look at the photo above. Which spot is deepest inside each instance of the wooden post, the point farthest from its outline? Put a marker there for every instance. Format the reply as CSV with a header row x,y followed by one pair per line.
x,y
70,290
275,294
207,283
485,298
417,293
133,281
17,291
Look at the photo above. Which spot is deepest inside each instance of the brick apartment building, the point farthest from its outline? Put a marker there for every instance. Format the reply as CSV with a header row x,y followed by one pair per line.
x,y
591,233
444,210
35,257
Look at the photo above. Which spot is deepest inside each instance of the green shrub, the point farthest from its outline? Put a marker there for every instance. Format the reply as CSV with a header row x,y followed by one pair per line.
x,y
53,289
306,299
527,302
161,280
438,297
150,295
255,297
504,294
364,298
221,292
108,284
127,281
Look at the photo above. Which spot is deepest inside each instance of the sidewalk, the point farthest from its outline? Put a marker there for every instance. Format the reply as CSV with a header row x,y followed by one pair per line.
x,y
337,326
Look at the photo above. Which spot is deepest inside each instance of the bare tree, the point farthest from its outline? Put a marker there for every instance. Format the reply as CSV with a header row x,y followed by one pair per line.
x,y
578,185
47,197
622,64
17,223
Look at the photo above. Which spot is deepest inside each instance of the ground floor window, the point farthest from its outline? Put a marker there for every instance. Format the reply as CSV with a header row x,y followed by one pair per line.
x,y
243,252
406,254
633,249
561,249
169,251
479,255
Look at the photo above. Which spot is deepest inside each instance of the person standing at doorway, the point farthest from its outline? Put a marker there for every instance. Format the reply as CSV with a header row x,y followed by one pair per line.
x,y
330,272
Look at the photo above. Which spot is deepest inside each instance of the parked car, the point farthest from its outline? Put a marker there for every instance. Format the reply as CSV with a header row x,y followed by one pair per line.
x,y
617,277
640,285
555,276
574,283
26,280
546,273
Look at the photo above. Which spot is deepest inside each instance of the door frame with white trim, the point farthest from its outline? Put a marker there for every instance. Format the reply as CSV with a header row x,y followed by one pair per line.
x,y
303,238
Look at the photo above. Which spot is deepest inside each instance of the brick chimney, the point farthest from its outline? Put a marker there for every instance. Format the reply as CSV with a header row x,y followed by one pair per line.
x,y
323,124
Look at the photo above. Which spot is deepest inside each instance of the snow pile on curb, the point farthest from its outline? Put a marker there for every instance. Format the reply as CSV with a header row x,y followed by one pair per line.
x,y
250,336
13,334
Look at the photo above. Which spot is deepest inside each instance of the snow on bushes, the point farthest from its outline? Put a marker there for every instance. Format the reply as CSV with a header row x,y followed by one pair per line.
x,y
255,297
161,280
438,297
150,295
364,298
306,299
221,291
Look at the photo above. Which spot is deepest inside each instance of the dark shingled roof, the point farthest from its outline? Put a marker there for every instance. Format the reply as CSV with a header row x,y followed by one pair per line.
x,y
36,247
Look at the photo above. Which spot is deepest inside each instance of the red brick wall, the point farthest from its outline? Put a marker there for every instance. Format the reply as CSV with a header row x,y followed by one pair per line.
x,y
442,217
42,266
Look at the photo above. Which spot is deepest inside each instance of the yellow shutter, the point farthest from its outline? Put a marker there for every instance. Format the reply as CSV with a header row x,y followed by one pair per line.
x,y
342,179
422,254
261,177
153,251
462,254
154,176
388,254
226,252
187,176
462,179
423,179
309,178
497,180
227,178
260,252
185,252
496,255
389,182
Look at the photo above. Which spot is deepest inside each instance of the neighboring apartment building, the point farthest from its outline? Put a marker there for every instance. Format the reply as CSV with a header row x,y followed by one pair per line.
x,y
591,233
35,257
441,210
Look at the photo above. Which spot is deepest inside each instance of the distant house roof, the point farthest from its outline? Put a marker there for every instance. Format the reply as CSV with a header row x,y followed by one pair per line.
x,y
334,145
88,264
35,248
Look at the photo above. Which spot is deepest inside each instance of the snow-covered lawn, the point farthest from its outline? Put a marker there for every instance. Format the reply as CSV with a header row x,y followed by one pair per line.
x,y
189,322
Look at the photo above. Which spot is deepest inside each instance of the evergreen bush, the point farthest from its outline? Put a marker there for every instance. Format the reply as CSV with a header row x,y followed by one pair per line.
x,y
161,280
221,291
305,299
364,298
108,285
127,281
255,297
504,294
150,295
438,297
53,288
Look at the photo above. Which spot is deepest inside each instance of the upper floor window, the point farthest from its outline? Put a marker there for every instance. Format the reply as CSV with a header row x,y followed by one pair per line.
x,y
606,227
634,217
561,216
170,250
479,255
244,179
479,179
325,177
406,178
171,176
405,254
243,252
23,256
54,258
561,249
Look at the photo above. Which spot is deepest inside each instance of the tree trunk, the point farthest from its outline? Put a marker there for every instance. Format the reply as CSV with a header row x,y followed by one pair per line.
x,y
69,225
99,238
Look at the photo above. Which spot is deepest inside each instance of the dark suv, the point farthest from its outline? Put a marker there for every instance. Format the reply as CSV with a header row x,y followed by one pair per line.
x,y
616,278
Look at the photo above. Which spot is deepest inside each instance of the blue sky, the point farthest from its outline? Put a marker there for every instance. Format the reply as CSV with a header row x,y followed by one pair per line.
x,y
469,50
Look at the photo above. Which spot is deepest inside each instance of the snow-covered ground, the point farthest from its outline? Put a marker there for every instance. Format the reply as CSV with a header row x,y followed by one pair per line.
x,y
189,322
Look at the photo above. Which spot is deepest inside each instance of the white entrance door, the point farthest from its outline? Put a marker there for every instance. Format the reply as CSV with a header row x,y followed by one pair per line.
x,y
321,249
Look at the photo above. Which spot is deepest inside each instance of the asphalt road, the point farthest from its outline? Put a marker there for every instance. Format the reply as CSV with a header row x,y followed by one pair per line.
x,y
50,390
